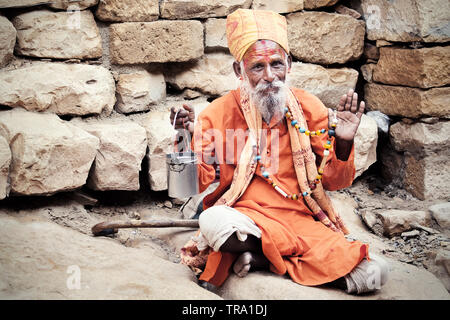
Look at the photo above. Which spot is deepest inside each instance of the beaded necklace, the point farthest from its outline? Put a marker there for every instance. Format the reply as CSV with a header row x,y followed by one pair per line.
x,y
326,153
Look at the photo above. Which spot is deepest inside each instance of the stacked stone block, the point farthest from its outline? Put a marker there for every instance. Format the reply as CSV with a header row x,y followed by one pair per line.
x,y
86,88
408,77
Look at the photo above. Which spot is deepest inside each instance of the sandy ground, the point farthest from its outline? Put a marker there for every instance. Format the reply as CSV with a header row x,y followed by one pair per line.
x,y
368,192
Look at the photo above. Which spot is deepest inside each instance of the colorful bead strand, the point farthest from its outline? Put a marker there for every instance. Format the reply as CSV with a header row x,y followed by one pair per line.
x,y
326,153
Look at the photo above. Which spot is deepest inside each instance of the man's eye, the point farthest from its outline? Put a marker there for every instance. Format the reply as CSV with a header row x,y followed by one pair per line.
x,y
277,64
257,67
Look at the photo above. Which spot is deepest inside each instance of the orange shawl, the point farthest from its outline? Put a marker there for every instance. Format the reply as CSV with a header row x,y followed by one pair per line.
x,y
305,167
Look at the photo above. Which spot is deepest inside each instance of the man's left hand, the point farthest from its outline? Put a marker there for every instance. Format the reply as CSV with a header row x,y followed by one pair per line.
x,y
349,116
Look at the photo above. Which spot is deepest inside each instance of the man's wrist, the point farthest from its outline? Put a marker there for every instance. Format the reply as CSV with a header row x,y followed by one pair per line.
x,y
343,148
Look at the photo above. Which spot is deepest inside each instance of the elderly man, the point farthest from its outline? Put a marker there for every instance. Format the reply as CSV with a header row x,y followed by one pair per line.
x,y
270,210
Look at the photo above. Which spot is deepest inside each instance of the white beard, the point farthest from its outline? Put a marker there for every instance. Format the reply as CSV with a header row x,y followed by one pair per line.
x,y
270,105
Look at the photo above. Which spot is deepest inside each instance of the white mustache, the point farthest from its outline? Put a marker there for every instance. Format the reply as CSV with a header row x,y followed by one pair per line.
x,y
276,84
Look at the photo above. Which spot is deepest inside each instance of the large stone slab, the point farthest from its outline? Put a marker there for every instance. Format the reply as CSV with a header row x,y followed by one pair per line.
x,y
49,155
215,34
421,161
366,140
423,68
425,177
394,222
314,4
56,4
20,3
5,160
407,20
281,6
7,41
329,84
213,74
325,38
128,11
187,9
64,89
71,5
159,41
160,137
139,91
420,137
118,162
406,101
60,35
441,213
43,260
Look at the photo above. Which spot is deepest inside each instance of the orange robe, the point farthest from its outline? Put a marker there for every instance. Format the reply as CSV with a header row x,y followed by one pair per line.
x,y
292,240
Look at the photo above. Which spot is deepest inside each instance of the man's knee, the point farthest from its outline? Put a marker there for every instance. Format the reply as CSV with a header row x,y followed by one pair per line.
x,y
208,216
218,223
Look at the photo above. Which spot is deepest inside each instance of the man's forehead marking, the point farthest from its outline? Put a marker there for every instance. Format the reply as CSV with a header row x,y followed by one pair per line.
x,y
264,50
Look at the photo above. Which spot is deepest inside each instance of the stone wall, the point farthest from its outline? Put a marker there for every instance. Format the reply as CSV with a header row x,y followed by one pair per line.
x,y
407,71
86,87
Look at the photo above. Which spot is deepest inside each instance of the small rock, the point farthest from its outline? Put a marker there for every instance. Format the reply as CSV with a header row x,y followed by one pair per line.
x,y
407,120
134,215
383,43
168,204
179,202
410,234
426,229
381,119
347,11
406,260
429,120
191,94
441,213
371,51
407,250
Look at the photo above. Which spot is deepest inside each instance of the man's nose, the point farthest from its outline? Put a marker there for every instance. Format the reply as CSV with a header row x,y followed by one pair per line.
x,y
268,74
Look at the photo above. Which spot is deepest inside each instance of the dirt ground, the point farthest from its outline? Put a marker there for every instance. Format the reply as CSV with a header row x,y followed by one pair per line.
x,y
372,192
81,213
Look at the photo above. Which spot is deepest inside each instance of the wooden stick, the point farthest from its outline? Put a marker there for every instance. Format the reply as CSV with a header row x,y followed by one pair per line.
x,y
108,227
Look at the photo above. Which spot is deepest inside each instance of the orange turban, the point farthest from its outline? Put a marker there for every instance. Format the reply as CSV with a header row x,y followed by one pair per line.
x,y
245,27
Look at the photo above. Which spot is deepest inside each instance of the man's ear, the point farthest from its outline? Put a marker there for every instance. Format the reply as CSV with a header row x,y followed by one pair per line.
x,y
289,63
237,69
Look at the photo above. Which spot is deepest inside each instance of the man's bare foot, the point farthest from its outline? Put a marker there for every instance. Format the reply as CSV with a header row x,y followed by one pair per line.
x,y
243,263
